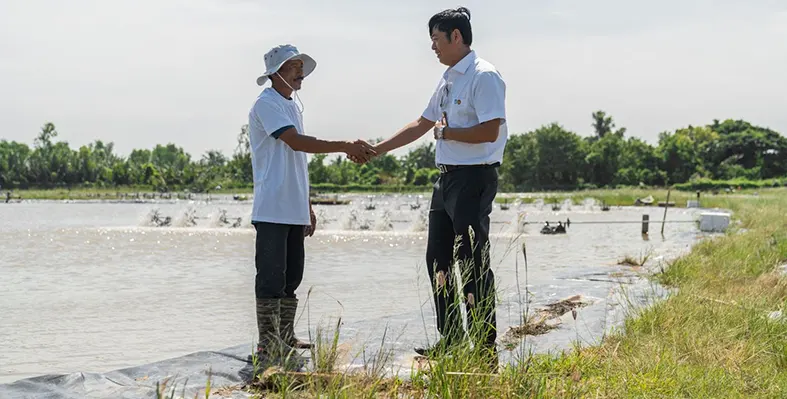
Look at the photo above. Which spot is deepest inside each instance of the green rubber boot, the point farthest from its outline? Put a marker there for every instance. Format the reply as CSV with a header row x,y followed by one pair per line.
x,y
289,308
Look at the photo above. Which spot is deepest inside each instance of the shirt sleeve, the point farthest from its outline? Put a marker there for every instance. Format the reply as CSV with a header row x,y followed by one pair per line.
x,y
273,118
489,97
432,111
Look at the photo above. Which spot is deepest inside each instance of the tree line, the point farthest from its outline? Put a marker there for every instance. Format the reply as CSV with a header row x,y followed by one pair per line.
x,y
550,157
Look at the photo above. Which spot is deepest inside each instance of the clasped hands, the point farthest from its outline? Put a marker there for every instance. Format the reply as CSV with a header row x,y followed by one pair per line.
x,y
361,152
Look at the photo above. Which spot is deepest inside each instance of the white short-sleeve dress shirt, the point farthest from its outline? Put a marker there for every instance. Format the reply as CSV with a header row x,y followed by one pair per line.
x,y
469,93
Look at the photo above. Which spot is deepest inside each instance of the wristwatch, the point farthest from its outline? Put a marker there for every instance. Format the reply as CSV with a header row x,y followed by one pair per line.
x,y
438,132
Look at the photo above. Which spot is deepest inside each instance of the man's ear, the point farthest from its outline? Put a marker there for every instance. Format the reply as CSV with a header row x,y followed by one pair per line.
x,y
456,36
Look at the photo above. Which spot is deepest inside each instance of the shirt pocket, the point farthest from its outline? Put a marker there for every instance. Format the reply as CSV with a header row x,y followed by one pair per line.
x,y
463,112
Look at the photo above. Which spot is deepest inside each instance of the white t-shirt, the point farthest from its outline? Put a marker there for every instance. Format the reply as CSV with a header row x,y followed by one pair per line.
x,y
281,174
471,92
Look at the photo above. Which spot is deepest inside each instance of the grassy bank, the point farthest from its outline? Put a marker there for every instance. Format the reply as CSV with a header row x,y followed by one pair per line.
x,y
128,192
712,338
81,193
627,197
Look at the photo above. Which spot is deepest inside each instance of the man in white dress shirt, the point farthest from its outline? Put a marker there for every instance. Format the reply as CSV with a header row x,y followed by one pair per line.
x,y
467,116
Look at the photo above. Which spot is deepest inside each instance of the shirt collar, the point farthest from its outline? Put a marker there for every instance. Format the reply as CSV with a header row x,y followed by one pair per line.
x,y
464,64
276,93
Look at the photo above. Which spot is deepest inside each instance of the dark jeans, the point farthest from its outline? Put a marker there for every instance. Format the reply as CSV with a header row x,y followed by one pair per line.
x,y
461,199
279,259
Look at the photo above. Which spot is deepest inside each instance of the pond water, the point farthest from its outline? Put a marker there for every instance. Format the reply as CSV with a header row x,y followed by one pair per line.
x,y
96,286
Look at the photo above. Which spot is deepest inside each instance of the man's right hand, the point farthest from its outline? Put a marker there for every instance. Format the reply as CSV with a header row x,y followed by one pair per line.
x,y
360,151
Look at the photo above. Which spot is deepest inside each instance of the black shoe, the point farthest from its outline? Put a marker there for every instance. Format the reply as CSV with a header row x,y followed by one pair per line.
x,y
441,347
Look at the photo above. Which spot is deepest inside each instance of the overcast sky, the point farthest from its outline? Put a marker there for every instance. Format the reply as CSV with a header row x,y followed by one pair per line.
x,y
144,72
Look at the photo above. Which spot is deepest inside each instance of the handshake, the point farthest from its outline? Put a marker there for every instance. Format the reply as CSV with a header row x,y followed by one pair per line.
x,y
359,151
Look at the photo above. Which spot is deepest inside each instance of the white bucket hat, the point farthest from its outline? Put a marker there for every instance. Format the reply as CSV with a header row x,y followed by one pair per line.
x,y
278,55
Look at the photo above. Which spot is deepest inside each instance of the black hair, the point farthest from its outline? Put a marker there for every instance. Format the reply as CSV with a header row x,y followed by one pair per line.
x,y
448,20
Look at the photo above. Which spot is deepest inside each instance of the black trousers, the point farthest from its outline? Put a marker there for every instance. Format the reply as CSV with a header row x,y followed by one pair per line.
x,y
279,258
462,199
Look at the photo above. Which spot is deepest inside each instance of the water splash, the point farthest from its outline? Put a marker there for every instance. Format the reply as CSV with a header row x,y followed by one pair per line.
x,y
154,218
187,218
384,222
147,219
217,218
421,222
370,206
222,220
352,222
322,217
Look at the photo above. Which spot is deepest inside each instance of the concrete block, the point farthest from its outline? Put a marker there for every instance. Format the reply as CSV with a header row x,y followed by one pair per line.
x,y
714,222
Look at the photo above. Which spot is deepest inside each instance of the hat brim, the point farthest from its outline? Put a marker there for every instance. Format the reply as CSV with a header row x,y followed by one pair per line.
x,y
309,64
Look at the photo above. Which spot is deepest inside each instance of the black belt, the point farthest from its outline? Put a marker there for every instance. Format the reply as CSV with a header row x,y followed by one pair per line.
x,y
451,168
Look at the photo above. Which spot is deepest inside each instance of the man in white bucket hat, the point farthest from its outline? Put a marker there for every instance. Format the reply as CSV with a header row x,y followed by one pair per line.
x,y
282,214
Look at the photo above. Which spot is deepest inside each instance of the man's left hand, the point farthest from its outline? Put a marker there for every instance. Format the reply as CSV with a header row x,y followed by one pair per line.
x,y
441,124
309,231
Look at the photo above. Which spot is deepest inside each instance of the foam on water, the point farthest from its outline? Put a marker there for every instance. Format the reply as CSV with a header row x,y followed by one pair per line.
x,y
396,218
384,222
216,218
186,218
421,222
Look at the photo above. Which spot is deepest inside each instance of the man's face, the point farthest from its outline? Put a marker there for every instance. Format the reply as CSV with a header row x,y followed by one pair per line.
x,y
292,73
444,48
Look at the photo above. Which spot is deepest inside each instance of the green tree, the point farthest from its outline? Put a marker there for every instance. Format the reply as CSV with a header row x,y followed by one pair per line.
x,y
14,159
746,150
639,164
603,125
240,169
549,157
683,152
604,159
561,157
518,172
318,172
